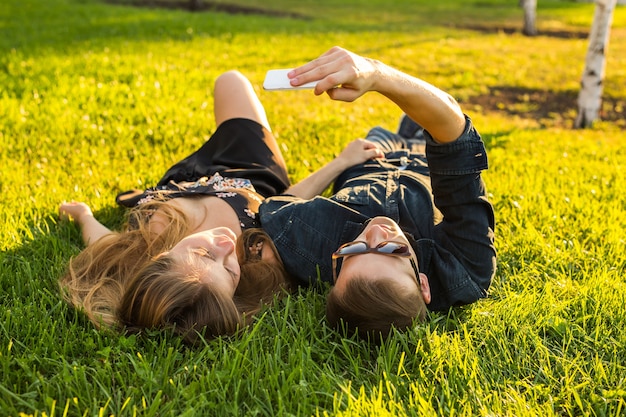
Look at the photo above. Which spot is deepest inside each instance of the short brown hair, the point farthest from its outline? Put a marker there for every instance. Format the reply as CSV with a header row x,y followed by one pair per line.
x,y
372,307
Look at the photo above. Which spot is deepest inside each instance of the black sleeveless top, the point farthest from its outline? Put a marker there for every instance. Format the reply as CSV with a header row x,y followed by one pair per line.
x,y
239,193
238,164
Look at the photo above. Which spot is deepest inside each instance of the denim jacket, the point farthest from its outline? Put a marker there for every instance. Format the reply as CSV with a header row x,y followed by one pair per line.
x,y
452,233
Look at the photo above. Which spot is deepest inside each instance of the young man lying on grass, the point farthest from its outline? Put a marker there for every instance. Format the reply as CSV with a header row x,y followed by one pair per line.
x,y
404,233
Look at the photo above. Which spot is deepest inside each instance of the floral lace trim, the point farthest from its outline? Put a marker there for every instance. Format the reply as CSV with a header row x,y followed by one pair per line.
x,y
215,183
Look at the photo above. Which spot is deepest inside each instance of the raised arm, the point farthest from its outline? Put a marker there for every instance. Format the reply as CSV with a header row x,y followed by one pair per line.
x,y
90,228
356,152
346,76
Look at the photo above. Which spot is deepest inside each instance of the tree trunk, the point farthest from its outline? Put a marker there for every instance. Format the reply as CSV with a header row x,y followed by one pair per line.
x,y
530,17
195,4
591,85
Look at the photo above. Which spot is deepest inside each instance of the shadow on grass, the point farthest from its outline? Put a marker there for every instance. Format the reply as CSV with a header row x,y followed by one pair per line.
x,y
212,6
547,108
52,242
510,30
30,273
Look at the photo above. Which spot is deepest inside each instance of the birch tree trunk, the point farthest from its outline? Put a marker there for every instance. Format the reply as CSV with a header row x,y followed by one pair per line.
x,y
591,85
530,17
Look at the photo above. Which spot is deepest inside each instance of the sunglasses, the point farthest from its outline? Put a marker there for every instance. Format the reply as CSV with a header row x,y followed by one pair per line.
x,y
389,248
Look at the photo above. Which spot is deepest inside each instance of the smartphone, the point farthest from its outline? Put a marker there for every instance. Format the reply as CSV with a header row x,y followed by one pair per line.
x,y
277,80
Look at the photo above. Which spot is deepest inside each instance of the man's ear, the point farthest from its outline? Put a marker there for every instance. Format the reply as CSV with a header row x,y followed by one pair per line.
x,y
425,287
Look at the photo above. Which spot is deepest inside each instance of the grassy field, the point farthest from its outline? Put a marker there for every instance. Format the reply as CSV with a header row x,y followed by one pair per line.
x,y
97,98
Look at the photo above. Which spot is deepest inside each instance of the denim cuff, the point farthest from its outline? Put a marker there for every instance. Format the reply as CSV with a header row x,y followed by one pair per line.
x,y
466,155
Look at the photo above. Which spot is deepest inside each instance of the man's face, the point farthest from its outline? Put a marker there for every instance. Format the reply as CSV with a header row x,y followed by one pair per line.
x,y
379,266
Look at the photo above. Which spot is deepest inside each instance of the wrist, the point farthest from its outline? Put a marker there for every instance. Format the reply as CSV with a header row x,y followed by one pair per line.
x,y
340,164
84,218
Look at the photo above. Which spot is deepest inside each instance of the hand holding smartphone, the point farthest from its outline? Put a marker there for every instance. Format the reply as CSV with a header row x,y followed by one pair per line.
x,y
277,80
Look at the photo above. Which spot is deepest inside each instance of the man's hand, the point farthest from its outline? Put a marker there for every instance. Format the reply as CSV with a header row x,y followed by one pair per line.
x,y
345,76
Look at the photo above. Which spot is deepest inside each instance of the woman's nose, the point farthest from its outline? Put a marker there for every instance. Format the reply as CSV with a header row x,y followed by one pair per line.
x,y
223,246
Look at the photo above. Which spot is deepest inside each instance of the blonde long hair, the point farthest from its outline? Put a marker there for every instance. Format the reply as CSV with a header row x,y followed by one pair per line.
x,y
97,277
125,281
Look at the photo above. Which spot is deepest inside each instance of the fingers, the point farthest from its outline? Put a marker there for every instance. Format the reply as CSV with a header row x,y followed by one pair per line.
x,y
314,67
65,211
343,75
370,149
332,69
369,144
343,93
376,153
73,209
63,207
362,150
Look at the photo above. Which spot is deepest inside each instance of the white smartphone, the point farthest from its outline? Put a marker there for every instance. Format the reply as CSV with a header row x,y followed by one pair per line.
x,y
277,80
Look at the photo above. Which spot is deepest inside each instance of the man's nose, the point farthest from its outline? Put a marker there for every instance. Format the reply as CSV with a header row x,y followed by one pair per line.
x,y
375,235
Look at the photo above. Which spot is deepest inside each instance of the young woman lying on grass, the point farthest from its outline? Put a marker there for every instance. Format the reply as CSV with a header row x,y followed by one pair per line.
x,y
175,265
205,201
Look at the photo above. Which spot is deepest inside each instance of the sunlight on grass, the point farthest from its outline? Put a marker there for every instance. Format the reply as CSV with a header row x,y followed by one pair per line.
x,y
96,99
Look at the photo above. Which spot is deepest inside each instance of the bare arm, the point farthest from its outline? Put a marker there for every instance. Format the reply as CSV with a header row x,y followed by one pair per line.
x,y
91,229
356,152
346,76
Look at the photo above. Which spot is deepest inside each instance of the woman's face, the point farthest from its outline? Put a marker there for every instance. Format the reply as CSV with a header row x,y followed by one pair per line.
x,y
214,252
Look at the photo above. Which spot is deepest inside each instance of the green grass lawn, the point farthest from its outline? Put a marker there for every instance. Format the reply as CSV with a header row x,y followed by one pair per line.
x,y
98,98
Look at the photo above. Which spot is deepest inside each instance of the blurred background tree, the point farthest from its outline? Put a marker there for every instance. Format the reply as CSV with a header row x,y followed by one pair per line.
x,y
592,82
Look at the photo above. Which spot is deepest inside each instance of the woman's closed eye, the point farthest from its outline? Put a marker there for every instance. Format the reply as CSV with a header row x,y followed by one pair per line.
x,y
206,253
209,255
